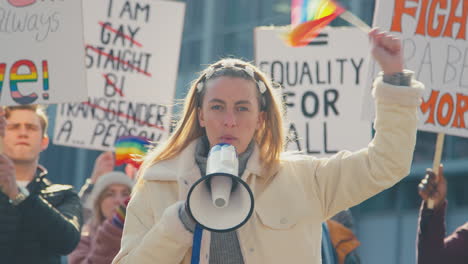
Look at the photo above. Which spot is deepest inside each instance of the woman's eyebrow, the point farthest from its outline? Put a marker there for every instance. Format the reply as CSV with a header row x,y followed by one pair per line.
x,y
243,102
216,100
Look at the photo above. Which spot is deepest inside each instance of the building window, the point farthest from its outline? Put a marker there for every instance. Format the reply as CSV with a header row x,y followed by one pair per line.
x,y
190,56
457,190
384,201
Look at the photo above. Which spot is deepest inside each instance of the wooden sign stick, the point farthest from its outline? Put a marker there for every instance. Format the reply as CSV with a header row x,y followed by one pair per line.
x,y
436,162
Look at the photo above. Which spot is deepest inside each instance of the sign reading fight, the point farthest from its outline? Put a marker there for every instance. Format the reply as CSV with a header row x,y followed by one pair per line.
x,y
42,55
434,35
322,88
131,56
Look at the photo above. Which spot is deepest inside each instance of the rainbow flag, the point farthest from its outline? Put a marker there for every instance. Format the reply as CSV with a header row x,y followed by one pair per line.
x,y
130,149
309,17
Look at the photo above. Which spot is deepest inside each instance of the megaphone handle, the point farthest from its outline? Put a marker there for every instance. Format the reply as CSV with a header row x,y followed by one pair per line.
x,y
196,246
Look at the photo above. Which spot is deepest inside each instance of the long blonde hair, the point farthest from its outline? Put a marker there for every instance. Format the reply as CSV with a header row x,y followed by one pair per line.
x,y
269,137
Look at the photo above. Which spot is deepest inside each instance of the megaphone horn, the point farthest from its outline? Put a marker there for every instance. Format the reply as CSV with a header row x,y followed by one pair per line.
x,y
221,201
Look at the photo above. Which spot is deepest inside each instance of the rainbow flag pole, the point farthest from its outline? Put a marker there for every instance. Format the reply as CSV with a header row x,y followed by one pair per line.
x,y
356,21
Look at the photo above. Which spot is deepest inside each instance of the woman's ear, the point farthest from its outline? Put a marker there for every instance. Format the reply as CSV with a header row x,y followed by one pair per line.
x,y
201,118
261,119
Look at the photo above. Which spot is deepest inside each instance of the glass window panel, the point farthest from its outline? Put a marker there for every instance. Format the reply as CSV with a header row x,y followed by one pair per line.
x,y
408,189
460,148
239,44
457,190
194,14
275,12
384,201
425,146
190,56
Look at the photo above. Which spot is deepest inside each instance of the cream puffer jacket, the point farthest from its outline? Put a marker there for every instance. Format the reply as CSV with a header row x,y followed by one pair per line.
x,y
291,200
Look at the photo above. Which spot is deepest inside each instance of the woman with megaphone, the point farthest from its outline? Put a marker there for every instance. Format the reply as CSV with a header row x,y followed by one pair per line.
x,y
231,133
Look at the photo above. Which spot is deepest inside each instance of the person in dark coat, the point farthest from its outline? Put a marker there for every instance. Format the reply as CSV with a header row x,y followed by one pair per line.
x,y
433,246
39,220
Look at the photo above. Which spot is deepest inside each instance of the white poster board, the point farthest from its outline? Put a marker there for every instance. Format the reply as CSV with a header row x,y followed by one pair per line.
x,y
322,88
42,57
435,46
132,56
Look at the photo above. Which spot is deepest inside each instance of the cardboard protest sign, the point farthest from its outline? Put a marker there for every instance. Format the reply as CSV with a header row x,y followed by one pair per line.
x,y
132,55
42,57
434,41
321,87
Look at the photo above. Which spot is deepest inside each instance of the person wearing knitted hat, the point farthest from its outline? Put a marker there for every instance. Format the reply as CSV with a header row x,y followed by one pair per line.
x,y
100,239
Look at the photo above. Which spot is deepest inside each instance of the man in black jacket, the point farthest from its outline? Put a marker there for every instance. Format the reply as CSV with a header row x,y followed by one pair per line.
x,y
39,221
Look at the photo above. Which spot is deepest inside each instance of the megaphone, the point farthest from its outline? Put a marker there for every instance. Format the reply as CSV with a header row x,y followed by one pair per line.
x,y
221,201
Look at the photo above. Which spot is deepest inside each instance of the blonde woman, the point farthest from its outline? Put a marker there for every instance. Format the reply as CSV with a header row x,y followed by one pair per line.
x,y
233,102
100,238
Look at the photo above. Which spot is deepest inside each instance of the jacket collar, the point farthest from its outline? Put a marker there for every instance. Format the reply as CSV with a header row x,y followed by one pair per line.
x,y
169,170
184,166
39,180
41,171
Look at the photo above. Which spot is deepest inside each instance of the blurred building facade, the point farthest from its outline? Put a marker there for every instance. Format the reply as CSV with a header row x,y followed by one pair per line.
x,y
386,223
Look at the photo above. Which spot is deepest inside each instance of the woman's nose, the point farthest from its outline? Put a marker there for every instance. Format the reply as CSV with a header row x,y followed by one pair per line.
x,y
230,119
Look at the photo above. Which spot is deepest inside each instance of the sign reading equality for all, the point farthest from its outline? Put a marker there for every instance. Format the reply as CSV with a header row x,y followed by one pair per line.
x,y
41,57
322,88
434,37
132,55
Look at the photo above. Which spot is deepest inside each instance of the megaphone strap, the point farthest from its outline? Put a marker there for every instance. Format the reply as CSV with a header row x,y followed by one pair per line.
x,y
196,246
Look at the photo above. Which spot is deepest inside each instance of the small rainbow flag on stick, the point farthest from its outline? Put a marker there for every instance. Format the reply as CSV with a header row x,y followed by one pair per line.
x,y
130,149
309,17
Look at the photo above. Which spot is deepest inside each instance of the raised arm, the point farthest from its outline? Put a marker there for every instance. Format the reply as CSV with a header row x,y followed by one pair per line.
x,y
348,178
432,244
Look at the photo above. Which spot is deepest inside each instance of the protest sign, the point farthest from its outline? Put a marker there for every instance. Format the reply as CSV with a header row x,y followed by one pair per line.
x,y
321,87
434,41
132,55
42,57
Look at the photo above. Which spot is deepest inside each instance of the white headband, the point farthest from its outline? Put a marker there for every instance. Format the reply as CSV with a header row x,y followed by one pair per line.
x,y
230,64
